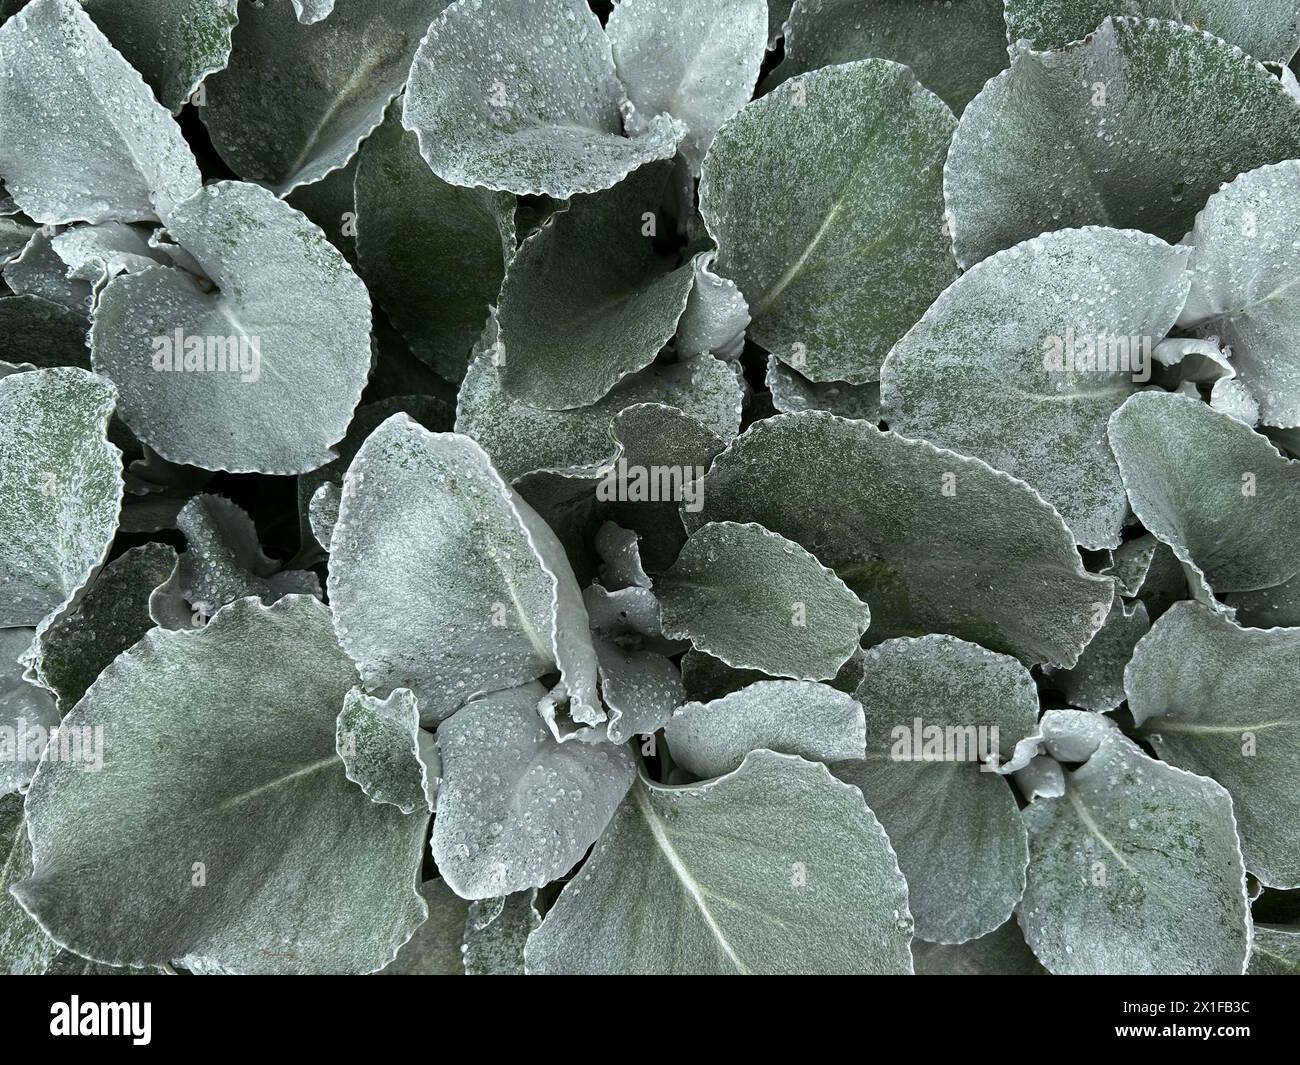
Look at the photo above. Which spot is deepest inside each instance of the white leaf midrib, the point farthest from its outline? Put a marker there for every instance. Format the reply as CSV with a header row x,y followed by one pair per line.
x,y
693,889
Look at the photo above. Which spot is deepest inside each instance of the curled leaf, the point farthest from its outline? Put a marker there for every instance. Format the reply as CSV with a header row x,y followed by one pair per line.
x,y
524,98
551,802
444,581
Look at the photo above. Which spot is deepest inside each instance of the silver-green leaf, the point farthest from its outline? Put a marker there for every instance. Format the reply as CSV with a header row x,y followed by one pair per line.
x,y
842,165
524,98
222,804
758,601
774,868
1133,127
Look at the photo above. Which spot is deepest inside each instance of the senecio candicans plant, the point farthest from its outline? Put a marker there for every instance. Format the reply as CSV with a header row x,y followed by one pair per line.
x,y
678,486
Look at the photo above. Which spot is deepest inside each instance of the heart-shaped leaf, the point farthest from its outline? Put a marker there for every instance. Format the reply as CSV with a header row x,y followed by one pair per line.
x,y
223,562
233,379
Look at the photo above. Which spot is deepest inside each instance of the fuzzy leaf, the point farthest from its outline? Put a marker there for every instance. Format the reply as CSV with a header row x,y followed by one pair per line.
x,y
757,601
792,392
954,47
434,950
696,60
384,752
589,281
112,615
81,136
444,581
1229,513
1246,254
433,254
219,769
775,868
288,122
60,488
716,314
955,825
852,160
1026,355
496,932
24,949
813,721
1133,127
1224,702
524,98
1000,953
524,439
1097,680
1266,29
1137,868
27,714
223,562
283,295
919,534
657,441
550,801
174,44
